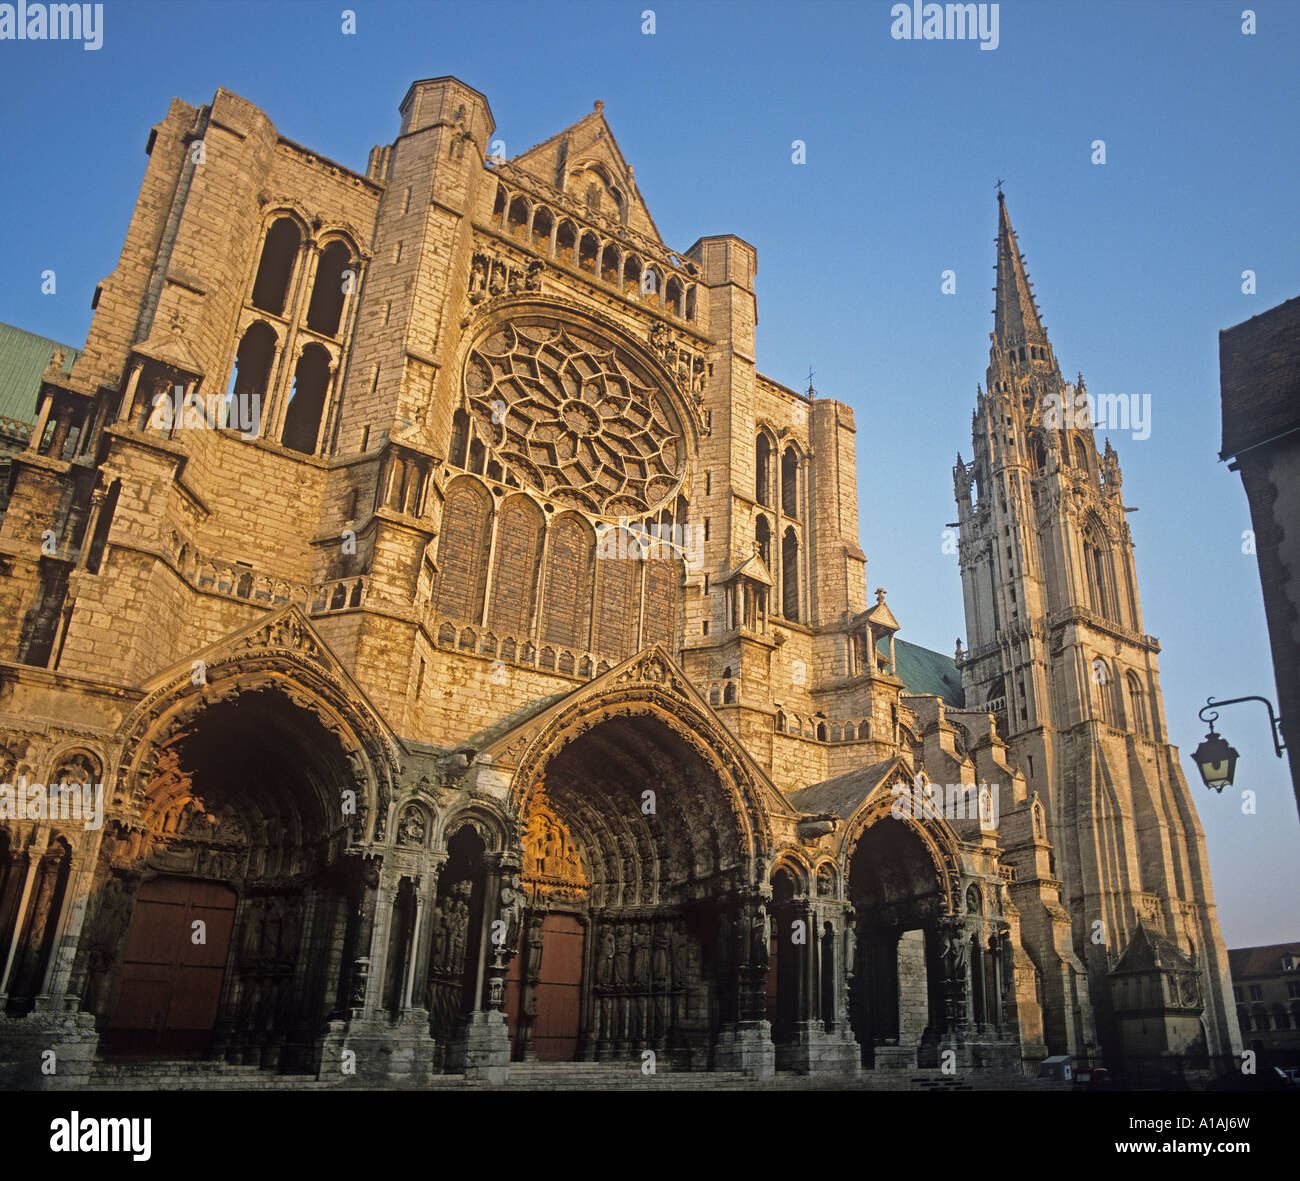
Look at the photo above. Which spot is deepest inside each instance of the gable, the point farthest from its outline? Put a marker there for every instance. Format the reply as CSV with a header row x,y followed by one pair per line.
x,y
585,163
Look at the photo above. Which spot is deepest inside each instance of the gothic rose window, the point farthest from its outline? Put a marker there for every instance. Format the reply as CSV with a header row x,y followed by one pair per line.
x,y
572,416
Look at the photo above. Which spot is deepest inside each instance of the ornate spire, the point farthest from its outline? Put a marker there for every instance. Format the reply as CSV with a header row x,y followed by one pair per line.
x,y
1016,318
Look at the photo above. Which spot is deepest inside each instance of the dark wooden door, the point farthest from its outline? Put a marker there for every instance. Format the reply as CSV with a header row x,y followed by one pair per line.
x,y
559,991
170,985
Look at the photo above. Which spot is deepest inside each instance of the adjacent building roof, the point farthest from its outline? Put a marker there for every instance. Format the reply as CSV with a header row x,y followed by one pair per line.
x,y
1259,376
1149,951
24,356
843,794
1260,961
927,673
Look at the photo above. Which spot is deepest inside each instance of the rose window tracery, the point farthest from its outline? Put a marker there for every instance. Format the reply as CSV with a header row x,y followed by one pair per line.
x,y
569,415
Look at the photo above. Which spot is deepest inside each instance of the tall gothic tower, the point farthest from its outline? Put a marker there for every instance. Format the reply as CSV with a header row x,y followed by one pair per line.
x,y
1057,652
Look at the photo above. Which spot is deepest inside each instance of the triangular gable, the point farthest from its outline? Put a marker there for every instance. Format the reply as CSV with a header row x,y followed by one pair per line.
x,y
751,567
171,351
288,632
882,616
588,141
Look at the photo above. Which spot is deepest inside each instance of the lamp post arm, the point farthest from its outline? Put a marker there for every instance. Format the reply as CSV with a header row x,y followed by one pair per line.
x,y
1274,722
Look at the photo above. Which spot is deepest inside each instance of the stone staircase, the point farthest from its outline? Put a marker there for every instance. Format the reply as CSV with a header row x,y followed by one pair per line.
x,y
190,1075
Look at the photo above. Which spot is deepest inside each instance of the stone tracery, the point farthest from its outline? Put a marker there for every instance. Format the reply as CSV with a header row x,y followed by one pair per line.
x,y
571,415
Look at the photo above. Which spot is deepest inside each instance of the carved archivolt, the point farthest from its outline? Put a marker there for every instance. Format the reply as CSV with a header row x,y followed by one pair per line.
x,y
941,843
651,687
282,656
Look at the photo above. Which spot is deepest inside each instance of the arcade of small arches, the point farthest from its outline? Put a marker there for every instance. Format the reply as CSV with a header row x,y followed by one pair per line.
x,y
606,259
633,895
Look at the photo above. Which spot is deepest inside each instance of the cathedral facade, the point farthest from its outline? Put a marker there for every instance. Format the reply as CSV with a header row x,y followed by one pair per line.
x,y
429,643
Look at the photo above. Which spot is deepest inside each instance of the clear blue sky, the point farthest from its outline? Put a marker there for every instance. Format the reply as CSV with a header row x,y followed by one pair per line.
x,y
1137,263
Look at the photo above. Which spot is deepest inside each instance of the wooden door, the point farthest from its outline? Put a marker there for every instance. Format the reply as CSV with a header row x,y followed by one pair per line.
x,y
170,986
559,991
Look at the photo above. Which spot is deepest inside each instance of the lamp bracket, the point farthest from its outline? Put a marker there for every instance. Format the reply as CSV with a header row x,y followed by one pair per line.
x,y
1274,722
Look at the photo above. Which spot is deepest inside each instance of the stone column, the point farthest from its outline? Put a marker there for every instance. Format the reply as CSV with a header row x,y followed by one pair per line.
x,y
42,419
745,1044
63,951
32,860
128,395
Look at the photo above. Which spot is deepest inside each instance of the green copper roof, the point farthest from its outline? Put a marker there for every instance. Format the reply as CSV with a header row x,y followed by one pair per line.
x,y
926,672
23,358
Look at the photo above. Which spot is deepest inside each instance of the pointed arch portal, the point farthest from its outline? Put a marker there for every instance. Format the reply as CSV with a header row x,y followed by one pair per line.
x,y
636,858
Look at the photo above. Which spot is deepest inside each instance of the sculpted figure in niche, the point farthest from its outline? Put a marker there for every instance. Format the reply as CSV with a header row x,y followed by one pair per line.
x,y
621,956
659,961
640,953
679,953
760,938
511,913
438,956
411,829
605,963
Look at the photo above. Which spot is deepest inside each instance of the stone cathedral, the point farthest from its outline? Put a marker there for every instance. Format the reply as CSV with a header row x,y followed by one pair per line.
x,y
472,657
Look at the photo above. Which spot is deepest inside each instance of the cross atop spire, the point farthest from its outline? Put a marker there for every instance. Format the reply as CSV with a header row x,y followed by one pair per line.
x,y
1016,317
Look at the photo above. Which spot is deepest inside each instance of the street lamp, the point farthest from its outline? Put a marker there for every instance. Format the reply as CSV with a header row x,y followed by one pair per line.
x,y
1214,758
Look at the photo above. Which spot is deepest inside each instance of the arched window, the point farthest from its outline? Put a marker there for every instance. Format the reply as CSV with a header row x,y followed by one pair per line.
x,y
517,218
334,279
1096,556
1137,708
279,252
763,539
543,223
690,303
652,287
459,439
570,562
632,276
246,396
462,552
618,605
673,296
514,574
790,483
566,241
307,401
611,264
1099,676
1081,452
763,471
790,575
780,720
587,251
